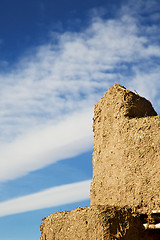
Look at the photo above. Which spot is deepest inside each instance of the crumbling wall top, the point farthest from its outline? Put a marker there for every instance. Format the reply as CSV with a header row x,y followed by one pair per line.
x,y
126,157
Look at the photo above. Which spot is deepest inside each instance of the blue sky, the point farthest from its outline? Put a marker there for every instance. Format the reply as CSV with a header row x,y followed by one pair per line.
x,y
57,59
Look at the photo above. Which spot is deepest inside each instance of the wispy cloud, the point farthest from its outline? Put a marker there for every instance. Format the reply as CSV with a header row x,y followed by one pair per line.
x,y
45,145
51,197
64,78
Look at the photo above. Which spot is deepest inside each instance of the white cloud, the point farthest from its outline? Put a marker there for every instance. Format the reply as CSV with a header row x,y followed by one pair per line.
x,y
59,81
46,145
62,78
51,197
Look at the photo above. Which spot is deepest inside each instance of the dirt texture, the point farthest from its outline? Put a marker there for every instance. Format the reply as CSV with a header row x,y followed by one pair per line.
x,y
126,157
126,174
95,223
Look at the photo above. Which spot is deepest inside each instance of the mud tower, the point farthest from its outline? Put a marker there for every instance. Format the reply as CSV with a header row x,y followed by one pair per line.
x,y
126,157
125,190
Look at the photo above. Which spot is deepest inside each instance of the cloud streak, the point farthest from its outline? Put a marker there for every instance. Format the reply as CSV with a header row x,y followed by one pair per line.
x,y
51,197
61,78
43,146
44,100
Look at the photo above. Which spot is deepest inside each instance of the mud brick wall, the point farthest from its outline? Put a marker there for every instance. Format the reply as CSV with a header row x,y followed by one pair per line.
x,y
126,157
93,223
126,174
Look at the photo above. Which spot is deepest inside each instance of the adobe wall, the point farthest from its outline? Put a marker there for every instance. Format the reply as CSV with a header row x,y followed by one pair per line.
x,y
126,171
126,157
93,223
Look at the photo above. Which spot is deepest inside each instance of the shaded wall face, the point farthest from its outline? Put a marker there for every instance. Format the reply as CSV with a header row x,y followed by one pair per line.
x,y
126,158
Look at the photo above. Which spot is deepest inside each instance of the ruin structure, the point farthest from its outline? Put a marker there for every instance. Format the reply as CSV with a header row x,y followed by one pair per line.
x,y
126,157
125,190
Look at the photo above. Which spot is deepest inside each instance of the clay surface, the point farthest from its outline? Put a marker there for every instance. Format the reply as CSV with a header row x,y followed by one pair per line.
x,y
126,175
95,223
126,157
